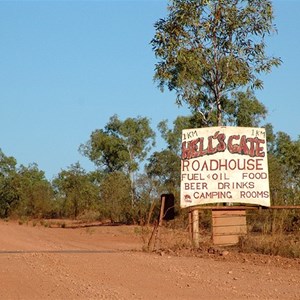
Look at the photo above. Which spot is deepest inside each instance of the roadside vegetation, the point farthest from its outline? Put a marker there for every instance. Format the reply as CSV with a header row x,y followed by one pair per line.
x,y
110,195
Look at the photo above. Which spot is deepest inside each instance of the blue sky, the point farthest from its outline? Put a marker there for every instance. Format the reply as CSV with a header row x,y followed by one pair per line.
x,y
67,66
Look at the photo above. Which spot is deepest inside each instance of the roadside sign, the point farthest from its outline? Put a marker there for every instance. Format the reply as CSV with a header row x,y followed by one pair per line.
x,y
224,164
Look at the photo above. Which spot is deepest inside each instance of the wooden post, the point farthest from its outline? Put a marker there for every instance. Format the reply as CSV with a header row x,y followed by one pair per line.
x,y
151,242
161,216
190,226
150,213
195,224
162,209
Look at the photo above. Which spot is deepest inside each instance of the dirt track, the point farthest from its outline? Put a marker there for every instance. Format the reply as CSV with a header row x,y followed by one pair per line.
x,y
97,263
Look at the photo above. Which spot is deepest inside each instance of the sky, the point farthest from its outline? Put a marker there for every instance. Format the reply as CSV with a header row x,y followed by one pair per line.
x,y
67,66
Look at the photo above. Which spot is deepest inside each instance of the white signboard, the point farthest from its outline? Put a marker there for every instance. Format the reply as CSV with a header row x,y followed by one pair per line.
x,y
224,164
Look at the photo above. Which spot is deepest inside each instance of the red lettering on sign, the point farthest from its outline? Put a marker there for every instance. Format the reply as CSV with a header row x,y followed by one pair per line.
x,y
215,143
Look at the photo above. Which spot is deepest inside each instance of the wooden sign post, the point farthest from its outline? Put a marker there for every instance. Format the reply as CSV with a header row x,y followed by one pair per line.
x,y
195,227
223,165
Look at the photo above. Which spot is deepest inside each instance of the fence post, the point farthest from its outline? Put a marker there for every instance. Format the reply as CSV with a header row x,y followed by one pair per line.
x,y
190,226
195,227
160,222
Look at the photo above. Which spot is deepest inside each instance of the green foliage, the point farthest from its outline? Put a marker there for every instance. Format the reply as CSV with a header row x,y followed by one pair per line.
x,y
115,191
106,151
24,191
277,182
284,168
244,110
137,137
75,191
121,145
288,152
34,192
8,192
207,49
164,167
7,165
173,136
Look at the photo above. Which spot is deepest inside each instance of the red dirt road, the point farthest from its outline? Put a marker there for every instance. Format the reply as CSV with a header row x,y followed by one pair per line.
x,y
98,263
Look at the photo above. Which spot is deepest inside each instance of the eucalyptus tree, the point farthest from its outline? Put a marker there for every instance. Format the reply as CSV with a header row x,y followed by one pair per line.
x,y
8,192
76,191
115,193
35,192
206,49
24,190
120,146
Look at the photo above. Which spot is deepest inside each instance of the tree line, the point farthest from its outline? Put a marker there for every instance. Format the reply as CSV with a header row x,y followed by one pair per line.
x,y
129,175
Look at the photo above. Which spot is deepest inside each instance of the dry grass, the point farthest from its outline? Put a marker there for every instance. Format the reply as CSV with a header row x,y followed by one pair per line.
x,y
168,239
175,240
285,245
